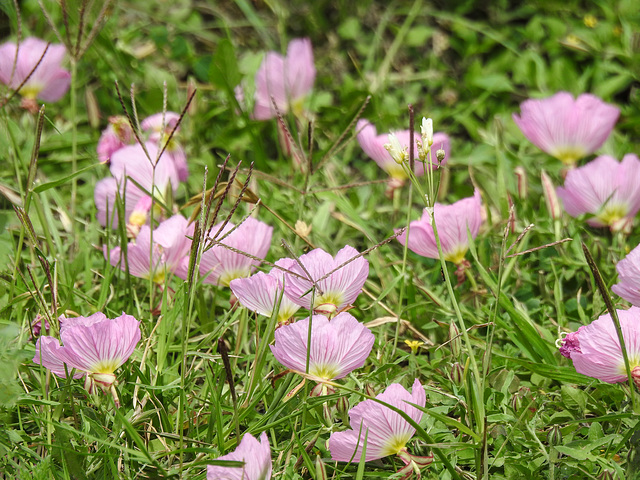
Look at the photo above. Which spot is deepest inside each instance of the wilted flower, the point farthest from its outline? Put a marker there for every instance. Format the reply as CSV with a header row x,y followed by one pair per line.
x,y
385,431
262,291
285,79
452,222
48,82
256,456
118,134
220,265
337,348
374,146
333,293
628,286
170,245
565,128
595,348
131,161
94,346
606,189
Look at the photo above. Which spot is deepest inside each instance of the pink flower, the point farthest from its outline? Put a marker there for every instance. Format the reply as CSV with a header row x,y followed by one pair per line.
x,y
159,126
262,291
287,79
117,135
333,293
565,128
219,265
386,432
170,246
595,348
605,189
131,161
49,82
452,222
94,346
338,346
628,286
256,456
373,146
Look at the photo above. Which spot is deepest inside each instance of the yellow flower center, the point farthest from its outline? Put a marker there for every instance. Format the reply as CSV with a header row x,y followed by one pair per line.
x,y
569,155
612,213
395,444
323,370
456,255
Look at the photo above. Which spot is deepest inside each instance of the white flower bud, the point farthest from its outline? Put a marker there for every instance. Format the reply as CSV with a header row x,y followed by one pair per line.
x,y
427,131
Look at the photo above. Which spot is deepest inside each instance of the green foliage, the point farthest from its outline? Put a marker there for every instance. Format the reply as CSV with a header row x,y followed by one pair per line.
x,y
467,65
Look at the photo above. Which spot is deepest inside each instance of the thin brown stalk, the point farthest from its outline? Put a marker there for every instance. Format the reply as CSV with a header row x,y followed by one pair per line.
x,y
412,133
18,38
50,22
97,25
221,199
540,247
288,248
520,237
67,32
175,128
333,148
131,122
83,11
362,254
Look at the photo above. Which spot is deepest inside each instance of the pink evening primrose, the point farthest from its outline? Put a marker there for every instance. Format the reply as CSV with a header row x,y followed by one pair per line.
x,y
94,346
48,82
262,291
287,80
605,189
220,265
373,145
565,128
595,349
385,431
628,286
159,126
131,161
336,291
452,222
256,455
337,348
171,243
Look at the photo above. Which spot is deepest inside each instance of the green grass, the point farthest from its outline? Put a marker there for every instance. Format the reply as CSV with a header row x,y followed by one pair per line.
x,y
467,66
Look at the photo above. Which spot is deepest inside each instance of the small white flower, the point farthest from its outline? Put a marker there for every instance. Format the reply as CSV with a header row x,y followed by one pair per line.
x,y
427,131
396,150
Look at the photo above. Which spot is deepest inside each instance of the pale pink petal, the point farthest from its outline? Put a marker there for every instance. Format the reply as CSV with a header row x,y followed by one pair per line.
x,y
256,456
155,122
603,188
101,347
48,355
338,346
220,265
628,286
386,431
452,222
258,293
300,71
565,128
340,289
270,87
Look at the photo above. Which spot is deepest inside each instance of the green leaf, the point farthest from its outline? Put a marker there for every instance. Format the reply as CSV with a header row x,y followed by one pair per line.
x,y
61,181
223,72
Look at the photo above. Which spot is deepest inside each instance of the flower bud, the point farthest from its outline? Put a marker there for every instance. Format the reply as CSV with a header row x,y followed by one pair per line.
x,y
550,197
440,154
554,436
457,374
321,471
455,342
368,389
521,179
